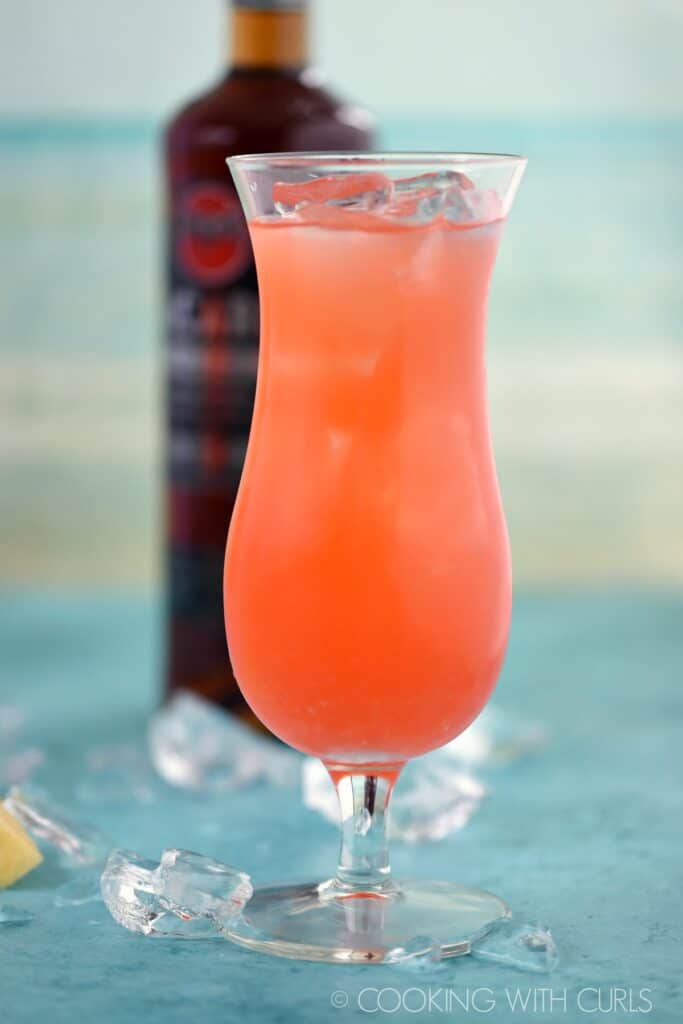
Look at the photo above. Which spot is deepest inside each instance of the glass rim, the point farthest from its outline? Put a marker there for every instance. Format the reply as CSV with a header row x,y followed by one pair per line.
x,y
413,158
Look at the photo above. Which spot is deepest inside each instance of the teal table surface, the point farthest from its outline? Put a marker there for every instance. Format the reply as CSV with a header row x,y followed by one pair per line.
x,y
583,835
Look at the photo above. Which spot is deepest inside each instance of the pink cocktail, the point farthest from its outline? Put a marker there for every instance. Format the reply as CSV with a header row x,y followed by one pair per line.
x,y
367,583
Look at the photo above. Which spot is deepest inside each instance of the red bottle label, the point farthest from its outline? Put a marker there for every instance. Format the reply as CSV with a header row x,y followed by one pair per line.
x,y
211,238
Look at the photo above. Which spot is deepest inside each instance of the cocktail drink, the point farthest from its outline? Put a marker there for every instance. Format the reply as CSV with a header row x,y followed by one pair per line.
x,y
367,581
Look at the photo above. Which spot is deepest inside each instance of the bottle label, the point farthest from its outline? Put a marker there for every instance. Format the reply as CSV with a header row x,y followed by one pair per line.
x,y
211,358
211,237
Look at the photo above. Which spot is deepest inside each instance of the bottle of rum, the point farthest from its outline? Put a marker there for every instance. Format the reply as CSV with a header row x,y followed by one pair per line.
x,y
270,99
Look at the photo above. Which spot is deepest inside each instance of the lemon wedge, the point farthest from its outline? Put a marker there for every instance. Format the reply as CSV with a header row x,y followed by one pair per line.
x,y
18,853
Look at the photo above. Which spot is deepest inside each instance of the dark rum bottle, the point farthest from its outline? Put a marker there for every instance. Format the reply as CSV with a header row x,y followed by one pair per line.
x,y
269,100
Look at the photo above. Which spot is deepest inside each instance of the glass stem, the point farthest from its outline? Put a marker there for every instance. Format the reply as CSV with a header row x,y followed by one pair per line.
x,y
364,796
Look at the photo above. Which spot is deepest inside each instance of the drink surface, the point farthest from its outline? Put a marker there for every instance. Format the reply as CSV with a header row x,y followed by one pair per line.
x,y
268,100
367,583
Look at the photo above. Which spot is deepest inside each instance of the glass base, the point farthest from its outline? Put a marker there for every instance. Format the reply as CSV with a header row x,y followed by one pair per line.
x,y
320,922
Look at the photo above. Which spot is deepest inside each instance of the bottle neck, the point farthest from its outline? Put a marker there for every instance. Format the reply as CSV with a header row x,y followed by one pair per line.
x,y
268,34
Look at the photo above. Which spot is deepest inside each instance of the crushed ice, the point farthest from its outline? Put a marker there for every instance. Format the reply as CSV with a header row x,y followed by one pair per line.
x,y
185,895
195,745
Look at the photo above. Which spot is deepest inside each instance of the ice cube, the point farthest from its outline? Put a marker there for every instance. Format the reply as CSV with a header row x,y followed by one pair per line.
x,y
129,889
359,191
345,218
195,885
118,774
485,205
78,842
14,915
424,196
455,207
433,798
525,947
196,745
184,896
472,206
448,192
84,888
496,737
439,181
421,205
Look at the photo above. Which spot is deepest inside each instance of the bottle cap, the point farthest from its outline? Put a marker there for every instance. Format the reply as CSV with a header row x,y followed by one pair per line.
x,y
271,5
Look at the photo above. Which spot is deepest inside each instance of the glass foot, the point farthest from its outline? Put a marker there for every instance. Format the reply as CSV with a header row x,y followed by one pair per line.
x,y
319,922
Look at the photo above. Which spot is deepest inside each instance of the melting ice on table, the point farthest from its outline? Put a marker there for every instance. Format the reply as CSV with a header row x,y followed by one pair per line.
x,y
509,943
525,947
185,895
